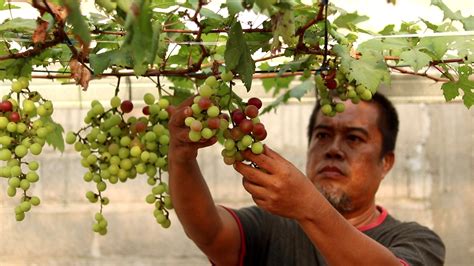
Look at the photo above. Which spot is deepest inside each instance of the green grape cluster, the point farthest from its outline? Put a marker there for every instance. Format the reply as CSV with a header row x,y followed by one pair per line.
x,y
334,84
25,122
241,130
117,146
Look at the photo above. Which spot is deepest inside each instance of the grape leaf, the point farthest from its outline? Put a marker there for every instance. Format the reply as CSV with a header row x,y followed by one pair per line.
x,y
464,45
19,25
162,3
389,29
301,89
258,40
78,23
54,139
370,70
297,92
451,88
6,5
348,20
434,46
467,22
14,68
100,62
415,59
430,25
385,44
238,57
206,12
234,7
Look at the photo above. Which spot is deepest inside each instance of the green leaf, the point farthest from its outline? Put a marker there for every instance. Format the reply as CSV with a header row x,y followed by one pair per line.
x,y
415,59
179,95
234,7
370,70
387,30
468,98
100,62
14,68
301,89
233,49
77,21
238,57
258,40
297,92
435,46
430,25
19,25
163,3
349,19
54,139
6,5
468,22
450,90
385,44
206,12
464,45
447,11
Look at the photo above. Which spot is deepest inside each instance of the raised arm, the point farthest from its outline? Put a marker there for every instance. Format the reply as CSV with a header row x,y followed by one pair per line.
x,y
280,188
211,227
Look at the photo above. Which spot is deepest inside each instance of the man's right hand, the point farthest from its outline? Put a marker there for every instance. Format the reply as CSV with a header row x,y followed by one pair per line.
x,y
181,148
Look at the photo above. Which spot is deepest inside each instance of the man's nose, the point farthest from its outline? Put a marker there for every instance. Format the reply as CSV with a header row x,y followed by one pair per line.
x,y
334,150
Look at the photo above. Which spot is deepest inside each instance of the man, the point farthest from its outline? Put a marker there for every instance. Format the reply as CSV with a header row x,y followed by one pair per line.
x,y
328,217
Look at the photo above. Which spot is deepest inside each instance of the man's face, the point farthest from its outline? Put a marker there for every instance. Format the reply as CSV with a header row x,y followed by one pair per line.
x,y
344,159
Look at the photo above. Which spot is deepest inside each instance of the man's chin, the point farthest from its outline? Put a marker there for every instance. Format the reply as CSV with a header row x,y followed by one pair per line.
x,y
338,199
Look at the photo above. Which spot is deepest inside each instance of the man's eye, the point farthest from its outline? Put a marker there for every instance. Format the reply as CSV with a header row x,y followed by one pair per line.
x,y
321,135
355,138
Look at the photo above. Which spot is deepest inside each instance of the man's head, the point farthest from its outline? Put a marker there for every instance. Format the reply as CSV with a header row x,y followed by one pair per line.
x,y
349,154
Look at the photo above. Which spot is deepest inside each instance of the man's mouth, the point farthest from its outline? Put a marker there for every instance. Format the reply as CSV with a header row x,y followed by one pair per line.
x,y
331,172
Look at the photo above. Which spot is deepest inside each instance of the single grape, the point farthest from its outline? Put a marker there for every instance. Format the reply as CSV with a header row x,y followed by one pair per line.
x,y
149,98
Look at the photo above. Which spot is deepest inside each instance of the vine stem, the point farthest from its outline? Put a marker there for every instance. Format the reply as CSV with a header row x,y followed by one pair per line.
x,y
404,71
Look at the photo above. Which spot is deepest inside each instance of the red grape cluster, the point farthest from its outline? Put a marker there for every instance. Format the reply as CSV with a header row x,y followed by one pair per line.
x,y
25,124
115,148
208,121
247,132
333,83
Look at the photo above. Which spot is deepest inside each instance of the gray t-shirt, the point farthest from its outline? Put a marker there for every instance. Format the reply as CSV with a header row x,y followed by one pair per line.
x,y
273,240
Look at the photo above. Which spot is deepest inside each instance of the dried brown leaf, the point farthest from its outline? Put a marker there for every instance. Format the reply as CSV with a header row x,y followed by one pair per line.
x,y
80,73
40,34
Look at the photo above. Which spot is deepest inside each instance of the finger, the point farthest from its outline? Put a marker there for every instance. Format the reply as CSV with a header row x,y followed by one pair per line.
x,y
257,191
206,142
188,102
259,202
179,115
271,153
252,174
262,160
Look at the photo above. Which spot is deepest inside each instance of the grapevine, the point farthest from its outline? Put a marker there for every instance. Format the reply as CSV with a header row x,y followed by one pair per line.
x,y
315,46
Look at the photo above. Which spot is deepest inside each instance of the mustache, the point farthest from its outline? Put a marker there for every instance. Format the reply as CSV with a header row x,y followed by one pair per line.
x,y
332,167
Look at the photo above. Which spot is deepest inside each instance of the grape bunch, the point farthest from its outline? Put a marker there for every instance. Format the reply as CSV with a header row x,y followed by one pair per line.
x,y
334,84
116,146
240,130
25,123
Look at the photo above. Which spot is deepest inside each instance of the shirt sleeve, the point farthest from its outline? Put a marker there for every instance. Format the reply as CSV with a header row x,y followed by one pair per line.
x,y
418,245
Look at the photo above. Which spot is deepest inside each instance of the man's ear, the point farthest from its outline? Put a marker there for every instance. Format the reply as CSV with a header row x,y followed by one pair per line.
x,y
387,162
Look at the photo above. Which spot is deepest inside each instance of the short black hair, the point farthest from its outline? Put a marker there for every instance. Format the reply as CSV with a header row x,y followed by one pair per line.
x,y
387,122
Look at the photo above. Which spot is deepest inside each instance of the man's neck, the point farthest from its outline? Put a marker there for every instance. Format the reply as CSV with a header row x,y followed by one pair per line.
x,y
363,217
